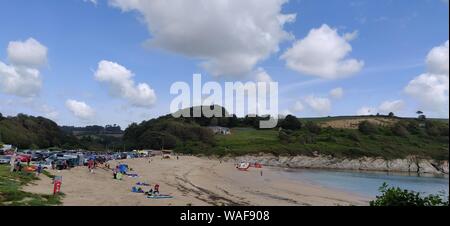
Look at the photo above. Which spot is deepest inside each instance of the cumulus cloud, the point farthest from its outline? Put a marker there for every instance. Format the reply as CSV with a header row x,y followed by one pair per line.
x,y
366,111
80,109
431,89
323,53
320,105
386,107
29,53
229,37
22,76
392,106
262,76
337,93
121,84
298,107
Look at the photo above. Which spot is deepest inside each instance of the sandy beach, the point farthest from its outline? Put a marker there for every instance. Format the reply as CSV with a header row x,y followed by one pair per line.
x,y
191,181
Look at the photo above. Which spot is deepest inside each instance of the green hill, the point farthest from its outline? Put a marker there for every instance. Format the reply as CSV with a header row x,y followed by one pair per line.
x,y
25,131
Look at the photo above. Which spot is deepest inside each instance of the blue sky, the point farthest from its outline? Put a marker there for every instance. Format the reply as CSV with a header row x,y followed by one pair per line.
x,y
390,49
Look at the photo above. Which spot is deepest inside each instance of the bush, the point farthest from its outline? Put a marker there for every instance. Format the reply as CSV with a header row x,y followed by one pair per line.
x,y
291,123
313,127
413,127
400,130
367,127
432,129
353,135
391,196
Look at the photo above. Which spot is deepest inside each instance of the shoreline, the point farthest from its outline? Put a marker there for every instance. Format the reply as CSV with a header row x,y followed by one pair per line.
x,y
192,181
411,164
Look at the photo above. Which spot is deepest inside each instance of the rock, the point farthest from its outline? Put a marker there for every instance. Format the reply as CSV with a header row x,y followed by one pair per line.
x,y
411,164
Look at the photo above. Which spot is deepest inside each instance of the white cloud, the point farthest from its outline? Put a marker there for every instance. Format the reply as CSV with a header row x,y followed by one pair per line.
x,y
29,53
337,93
298,107
318,104
122,85
323,53
431,89
22,76
262,76
366,111
386,107
91,1
230,37
438,60
392,106
351,36
80,109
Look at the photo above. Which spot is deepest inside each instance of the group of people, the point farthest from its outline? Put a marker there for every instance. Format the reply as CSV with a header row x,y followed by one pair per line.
x,y
153,191
16,165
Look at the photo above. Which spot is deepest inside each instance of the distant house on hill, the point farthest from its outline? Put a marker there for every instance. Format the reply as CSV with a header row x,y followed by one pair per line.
x,y
220,130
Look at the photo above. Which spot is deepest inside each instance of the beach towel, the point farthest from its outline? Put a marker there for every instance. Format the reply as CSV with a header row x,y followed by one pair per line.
x,y
142,184
137,190
132,175
160,197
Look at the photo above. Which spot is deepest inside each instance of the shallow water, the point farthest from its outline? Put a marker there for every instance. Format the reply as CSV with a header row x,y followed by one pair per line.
x,y
367,183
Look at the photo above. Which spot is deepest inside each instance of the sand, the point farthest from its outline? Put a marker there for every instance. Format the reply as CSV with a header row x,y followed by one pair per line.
x,y
191,181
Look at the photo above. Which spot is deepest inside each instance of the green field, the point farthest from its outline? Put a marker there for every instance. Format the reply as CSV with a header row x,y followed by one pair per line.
x,y
12,195
334,142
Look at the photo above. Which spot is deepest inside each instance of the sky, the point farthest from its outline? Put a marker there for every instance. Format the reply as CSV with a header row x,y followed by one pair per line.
x,y
83,62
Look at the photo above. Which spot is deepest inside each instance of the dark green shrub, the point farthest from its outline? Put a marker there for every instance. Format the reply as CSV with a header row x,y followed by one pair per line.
x,y
353,135
400,130
291,123
313,127
367,127
391,196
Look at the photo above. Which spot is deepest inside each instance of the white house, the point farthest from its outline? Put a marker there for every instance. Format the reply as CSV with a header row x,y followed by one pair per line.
x,y
220,130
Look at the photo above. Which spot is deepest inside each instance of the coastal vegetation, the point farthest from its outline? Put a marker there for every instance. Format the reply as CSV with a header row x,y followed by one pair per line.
x,y
394,196
11,190
386,136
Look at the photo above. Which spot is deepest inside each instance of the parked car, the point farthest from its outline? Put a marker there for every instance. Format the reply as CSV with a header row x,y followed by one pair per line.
x,y
37,157
61,164
24,158
5,159
44,164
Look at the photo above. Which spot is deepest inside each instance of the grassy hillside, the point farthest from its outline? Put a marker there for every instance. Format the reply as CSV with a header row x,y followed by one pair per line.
x,y
11,193
26,131
335,142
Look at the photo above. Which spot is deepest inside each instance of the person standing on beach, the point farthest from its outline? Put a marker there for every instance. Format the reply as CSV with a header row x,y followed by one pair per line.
x,y
12,162
39,170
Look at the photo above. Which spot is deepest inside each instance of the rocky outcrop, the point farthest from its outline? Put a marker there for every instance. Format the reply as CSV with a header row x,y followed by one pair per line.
x,y
411,164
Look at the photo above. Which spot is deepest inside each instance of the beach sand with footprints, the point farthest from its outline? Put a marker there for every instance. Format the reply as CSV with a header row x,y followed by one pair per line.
x,y
191,181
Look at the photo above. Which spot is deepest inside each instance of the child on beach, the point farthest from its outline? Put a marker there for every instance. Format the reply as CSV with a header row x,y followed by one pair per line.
x,y
39,170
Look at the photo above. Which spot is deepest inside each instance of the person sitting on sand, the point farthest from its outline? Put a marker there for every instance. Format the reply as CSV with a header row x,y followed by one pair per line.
x,y
156,190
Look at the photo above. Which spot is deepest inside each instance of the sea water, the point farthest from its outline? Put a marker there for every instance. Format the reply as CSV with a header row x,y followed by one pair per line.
x,y
367,183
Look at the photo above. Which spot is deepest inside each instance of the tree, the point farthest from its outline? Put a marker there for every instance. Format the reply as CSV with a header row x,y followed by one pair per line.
x,y
391,196
291,123
421,117
391,115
